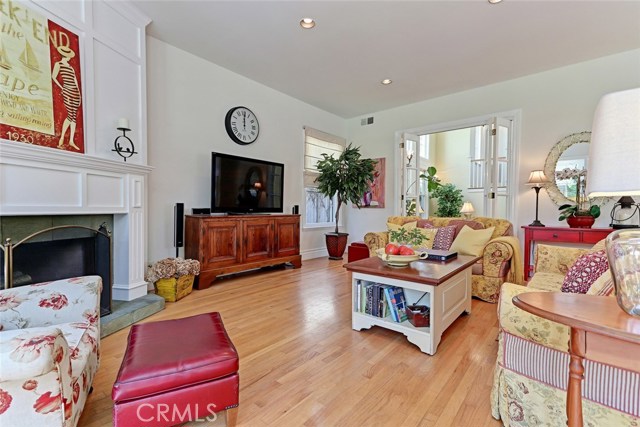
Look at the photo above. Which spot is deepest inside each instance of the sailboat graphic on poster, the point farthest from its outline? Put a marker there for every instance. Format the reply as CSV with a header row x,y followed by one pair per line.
x,y
4,61
28,57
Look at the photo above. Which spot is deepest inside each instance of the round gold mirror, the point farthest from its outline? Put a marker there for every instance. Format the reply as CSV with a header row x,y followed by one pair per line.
x,y
568,160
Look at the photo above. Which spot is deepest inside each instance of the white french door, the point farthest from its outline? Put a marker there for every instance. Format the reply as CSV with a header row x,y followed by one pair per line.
x,y
497,191
476,155
413,193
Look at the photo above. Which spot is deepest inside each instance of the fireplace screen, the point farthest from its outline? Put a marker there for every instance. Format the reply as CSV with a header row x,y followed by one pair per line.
x,y
60,253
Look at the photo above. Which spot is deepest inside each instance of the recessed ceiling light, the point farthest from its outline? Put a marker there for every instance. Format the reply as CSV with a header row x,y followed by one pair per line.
x,y
386,81
494,1
307,23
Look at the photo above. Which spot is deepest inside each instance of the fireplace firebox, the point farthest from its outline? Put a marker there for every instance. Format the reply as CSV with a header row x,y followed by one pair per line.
x,y
59,253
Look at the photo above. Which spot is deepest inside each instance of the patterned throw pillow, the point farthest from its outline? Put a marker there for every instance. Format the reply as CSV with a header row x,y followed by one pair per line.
x,y
584,272
444,236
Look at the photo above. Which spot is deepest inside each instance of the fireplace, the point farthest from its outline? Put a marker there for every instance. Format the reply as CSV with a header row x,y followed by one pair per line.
x,y
37,181
59,253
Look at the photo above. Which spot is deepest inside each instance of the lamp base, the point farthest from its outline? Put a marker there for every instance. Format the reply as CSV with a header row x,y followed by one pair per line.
x,y
536,223
623,226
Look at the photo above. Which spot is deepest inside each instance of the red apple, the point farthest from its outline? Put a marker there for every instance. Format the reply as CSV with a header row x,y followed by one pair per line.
x,y
391,249
405,250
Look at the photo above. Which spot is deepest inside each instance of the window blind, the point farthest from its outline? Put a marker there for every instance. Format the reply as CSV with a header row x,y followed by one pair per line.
x,y
315,144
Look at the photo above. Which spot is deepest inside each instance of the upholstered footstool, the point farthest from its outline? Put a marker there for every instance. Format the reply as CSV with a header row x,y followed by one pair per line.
x,y
176,371
357,251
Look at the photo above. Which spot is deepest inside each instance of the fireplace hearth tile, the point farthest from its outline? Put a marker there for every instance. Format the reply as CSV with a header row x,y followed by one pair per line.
x,y
126,313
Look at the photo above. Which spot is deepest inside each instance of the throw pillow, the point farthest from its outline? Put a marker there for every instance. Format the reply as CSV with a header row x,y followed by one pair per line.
x,y
584,272
470,241
429,237
603,285
444,236
395,227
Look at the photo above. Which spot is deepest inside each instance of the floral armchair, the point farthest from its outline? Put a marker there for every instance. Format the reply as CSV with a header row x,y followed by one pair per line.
x,y
49,351
531,373
500,258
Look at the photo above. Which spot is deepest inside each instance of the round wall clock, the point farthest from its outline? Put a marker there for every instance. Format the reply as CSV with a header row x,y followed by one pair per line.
x,y
242,125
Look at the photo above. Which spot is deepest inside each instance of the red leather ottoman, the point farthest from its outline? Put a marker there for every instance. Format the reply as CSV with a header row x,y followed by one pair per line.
x,y
357,251
176,371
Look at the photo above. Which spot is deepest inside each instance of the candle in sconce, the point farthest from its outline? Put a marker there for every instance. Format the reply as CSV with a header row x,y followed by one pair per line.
x,y
123,124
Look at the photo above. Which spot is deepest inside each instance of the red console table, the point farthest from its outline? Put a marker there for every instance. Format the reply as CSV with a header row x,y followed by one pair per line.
x,y
586,236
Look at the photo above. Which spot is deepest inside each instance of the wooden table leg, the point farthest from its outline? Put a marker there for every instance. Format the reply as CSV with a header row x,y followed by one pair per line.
x,y
576,374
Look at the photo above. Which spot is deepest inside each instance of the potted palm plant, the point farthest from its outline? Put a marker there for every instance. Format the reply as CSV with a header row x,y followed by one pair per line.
x,y
347,177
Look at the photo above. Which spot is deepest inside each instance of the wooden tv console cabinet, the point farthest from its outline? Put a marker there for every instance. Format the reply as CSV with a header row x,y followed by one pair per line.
x,y
232,243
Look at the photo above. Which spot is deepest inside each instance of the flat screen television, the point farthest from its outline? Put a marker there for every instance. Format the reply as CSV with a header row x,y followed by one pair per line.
x,y
243,185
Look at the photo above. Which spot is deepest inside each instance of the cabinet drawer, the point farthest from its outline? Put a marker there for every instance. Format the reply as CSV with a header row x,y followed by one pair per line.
x,y
594,236
560,236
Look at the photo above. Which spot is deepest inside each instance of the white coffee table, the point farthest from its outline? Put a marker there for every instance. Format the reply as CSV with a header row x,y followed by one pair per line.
x,y
447,287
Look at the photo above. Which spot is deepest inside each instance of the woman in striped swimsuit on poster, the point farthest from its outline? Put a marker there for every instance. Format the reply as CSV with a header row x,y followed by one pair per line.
x,y
71,96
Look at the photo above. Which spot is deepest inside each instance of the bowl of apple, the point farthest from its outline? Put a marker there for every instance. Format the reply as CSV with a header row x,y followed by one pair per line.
x,y
398,255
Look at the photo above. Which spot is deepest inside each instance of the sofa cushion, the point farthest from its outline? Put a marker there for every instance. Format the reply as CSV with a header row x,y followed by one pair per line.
x,y
460,223
546,281
584,272
470,241
444,236
429,237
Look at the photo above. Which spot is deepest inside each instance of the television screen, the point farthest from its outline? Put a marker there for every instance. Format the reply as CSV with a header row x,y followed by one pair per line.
x,y
243,185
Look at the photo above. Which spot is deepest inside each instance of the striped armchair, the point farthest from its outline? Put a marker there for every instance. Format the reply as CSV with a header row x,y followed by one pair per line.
x,y
531,372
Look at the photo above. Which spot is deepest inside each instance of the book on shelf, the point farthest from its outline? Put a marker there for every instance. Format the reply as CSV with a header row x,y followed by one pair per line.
x,y
399,304
440,255
389,297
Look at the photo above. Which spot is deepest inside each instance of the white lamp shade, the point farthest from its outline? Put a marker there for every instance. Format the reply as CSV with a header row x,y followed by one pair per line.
x,y
537,178
467,208
614,151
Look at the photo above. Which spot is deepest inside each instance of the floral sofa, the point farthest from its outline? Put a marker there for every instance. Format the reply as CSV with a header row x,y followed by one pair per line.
x,y
500,258
49,351
531,372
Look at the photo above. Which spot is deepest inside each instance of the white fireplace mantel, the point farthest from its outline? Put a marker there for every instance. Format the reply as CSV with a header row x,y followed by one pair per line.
x,y
44,181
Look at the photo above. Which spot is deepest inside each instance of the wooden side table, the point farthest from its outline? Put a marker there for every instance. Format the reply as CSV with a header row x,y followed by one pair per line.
x,y
600,331
587,236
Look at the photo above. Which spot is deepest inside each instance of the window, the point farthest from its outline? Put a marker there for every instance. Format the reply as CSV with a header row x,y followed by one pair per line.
x,y
319,209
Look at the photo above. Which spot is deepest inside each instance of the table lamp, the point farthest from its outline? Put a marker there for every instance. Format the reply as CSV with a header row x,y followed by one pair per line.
x,y
614,154
537,179
467,210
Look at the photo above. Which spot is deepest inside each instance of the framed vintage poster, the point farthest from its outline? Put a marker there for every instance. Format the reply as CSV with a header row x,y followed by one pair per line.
x,y
374,196
40,82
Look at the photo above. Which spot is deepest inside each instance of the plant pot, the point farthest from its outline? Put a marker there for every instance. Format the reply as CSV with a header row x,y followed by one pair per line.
x,y
581,221
336,244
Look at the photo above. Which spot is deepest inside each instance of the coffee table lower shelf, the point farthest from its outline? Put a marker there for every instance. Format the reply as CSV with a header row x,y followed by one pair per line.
x,y
446,300
418,336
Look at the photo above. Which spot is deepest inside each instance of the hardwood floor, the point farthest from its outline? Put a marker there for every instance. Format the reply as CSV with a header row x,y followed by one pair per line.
x,y
301,364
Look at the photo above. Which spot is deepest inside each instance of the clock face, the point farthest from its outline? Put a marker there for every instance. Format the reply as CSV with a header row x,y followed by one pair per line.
x,y
242,125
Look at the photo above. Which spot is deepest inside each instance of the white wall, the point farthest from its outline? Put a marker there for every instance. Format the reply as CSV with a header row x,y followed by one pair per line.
x,y
554,104
188,98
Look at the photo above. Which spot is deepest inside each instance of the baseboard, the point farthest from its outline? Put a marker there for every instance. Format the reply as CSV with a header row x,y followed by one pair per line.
x,y
314,253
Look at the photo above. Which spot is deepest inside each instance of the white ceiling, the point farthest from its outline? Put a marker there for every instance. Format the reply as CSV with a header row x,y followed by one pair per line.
x,y
428,48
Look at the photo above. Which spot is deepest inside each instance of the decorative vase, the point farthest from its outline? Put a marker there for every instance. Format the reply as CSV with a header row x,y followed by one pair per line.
x,y
336,244
623,250
580,221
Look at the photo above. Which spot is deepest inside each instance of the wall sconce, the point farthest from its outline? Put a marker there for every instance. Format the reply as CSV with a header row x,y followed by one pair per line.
x,y
467,210
409,157
123,144
537,179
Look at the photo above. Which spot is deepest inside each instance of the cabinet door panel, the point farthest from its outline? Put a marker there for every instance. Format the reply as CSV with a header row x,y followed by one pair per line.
x,y
287,232
220,246
258,240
